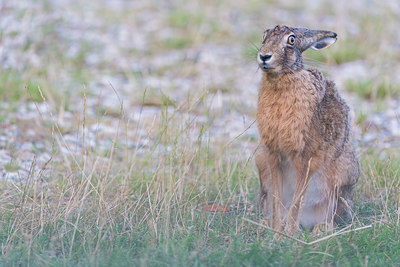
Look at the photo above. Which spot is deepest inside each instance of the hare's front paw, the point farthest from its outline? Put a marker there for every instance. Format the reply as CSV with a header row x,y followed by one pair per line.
x,y
267,222
291,229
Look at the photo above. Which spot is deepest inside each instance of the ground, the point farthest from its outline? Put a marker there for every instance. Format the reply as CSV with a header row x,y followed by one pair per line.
x,y
122,121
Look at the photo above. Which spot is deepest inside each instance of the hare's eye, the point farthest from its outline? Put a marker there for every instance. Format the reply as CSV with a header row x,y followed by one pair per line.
x,y
291,39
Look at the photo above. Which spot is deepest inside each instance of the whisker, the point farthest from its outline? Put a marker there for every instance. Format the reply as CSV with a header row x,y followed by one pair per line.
x,y
310,64
309,61
250,56
255,46
313,60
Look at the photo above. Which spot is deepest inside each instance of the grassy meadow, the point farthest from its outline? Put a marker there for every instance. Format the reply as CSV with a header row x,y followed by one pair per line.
x,y
122,122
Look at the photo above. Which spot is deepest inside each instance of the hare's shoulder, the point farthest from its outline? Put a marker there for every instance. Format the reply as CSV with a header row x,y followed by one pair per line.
x,y
333,114
326,89
321,84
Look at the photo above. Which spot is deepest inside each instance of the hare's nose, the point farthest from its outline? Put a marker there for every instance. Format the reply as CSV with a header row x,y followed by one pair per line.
x,y
265,57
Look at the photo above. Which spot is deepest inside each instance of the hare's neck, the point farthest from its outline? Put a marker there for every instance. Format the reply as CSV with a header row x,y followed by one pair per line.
x,y
284,81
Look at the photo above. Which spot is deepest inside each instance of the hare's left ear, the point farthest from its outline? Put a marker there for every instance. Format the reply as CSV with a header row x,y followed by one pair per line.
x,y
323,42
314,39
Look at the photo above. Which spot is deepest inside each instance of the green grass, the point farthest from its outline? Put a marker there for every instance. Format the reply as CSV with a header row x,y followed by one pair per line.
x,y
372,90
11,166
148,210
176,43
15,88
182,18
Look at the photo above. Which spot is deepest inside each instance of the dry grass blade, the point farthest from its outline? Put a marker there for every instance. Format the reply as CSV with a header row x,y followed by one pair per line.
x,y
341,232
275,231
239,135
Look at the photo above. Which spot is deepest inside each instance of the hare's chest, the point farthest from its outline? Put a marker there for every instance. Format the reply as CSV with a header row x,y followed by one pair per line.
x,y
284,121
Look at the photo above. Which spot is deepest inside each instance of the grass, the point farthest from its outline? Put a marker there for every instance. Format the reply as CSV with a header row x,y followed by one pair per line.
x,y
13,87
371,90
181,18
145,207
11,167
176,43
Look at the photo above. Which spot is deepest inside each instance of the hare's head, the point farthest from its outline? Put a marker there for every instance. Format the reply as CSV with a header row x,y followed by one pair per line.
x,y
282,47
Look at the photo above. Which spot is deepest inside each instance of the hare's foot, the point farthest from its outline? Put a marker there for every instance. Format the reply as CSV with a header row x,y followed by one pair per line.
x,y
277,222
278,237
322,227
267,222
291,228
292,219
265,204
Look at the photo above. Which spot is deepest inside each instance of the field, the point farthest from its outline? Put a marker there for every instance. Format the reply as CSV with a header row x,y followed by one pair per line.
x,y
121,122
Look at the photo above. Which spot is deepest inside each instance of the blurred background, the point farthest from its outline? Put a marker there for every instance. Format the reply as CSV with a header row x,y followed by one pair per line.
x,y
61,59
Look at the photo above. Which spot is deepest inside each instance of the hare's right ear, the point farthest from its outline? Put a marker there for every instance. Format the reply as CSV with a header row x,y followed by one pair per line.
x,y
314,39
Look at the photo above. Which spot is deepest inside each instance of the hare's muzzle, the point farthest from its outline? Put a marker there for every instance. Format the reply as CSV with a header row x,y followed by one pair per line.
x,y
264,61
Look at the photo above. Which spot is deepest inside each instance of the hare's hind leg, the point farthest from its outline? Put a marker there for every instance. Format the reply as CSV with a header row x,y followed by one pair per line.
x,y
271,183
349,177
344,211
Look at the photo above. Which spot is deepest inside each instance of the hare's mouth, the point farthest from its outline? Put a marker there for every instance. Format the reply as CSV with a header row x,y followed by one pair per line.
x,y
266,67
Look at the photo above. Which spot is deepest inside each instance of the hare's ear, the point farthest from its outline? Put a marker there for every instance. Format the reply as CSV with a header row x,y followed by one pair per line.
x,y
314,39
323,43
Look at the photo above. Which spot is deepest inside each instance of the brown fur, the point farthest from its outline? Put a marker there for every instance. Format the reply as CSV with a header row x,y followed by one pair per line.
x,y
303,123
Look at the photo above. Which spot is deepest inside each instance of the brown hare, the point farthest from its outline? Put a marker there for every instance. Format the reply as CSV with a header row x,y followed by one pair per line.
x,y
306,163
